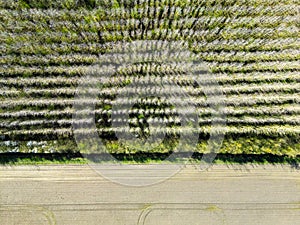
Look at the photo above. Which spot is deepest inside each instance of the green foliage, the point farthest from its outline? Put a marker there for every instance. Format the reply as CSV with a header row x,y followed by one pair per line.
x,y
252,46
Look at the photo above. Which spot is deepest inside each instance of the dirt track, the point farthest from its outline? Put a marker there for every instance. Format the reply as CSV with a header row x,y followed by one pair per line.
x,y
222,195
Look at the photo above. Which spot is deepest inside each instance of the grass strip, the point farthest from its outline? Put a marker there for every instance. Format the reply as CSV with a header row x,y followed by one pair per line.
x,y
143,158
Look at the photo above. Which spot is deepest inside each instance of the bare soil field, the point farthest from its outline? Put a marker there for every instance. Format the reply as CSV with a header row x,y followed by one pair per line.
x,y
223,194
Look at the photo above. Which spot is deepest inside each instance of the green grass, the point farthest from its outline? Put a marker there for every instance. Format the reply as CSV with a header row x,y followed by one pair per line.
x,y
15,159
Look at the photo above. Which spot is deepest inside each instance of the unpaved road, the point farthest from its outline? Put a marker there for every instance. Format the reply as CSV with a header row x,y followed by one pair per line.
x,y
73,194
